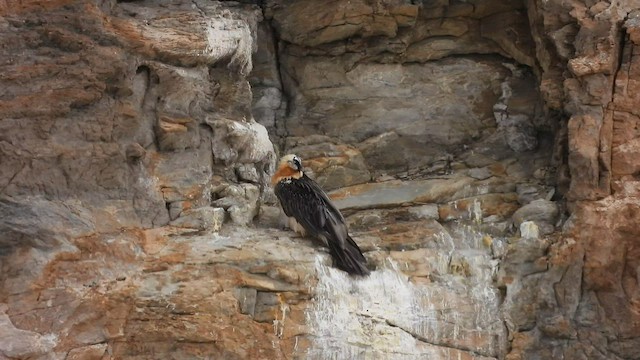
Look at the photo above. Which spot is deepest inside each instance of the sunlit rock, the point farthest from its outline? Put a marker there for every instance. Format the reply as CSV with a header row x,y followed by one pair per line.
x,y
543,213
204,218
18,343
529,230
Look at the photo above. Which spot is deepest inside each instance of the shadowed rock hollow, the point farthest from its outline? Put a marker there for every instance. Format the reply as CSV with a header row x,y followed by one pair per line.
x,y
484,153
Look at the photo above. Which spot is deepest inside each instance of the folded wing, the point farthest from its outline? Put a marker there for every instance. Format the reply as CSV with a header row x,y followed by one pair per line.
x,y
304,200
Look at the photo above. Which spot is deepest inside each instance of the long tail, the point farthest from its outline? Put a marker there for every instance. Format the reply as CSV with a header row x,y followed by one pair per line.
x,y
349,258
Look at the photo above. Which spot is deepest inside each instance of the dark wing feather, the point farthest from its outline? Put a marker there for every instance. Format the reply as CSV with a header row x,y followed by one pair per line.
x,y
304,200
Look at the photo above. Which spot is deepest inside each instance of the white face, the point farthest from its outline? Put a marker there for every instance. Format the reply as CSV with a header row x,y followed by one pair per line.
x,y
292,161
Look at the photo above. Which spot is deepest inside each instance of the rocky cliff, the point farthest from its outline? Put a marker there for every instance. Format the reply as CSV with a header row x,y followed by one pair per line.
x,y
484,153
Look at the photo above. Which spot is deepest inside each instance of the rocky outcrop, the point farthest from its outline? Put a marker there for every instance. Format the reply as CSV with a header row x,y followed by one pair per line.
x,y
130,107
483,153
590,311
406,85
118,117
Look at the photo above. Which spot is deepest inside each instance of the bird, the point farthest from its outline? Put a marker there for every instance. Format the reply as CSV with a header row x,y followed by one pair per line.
x,y
311,213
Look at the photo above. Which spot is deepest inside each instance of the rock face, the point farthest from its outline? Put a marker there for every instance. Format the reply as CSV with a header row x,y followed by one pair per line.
x,y
594,292
119,108
483,152
117,118
384,77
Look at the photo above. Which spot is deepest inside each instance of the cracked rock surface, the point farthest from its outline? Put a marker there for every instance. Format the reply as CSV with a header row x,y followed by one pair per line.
x,y
484,154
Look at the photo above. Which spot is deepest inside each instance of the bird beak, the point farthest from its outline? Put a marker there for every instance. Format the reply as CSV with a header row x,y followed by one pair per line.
x,y
297,164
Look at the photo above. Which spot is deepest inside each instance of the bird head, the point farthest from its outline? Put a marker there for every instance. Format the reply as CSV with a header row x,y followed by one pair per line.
x,y
292,161
289,167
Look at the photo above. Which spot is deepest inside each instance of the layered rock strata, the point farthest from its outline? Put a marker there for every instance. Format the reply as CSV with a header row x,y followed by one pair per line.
x,y
484,154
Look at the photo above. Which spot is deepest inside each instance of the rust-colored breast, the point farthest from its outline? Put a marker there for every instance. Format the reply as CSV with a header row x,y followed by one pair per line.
x,y
285,172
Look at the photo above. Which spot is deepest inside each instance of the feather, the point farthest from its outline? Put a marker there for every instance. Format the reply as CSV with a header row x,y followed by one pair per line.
x,y
303,199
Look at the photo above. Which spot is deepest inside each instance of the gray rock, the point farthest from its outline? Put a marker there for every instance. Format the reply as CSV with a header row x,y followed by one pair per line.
x,y
330,163
247,172
558,327
381,106
515,110
247,299
520,134
474,159
529,230
244,142
135,152
204,218
395,193
124,132
241,201
22,344
528,192
271,216
498,248
543,212
267,306
391,152
180,175
267,106
480,173
175,132
87,352
337,176
429,211
36,222
177,207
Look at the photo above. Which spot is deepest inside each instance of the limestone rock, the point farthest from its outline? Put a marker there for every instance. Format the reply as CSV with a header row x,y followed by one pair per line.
x,y
36,222
88,352
363,83
123,129
395,193
17,343
204,218
177,133
583,148
375,105
241,142
240,201
272,216
182,176
513,35
575,263
543,213
208,45
310,23
269,102
515,112
429,211
493,206
331,165
267,105
177,207
528,192
559,327
529,230
480,173
119,117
